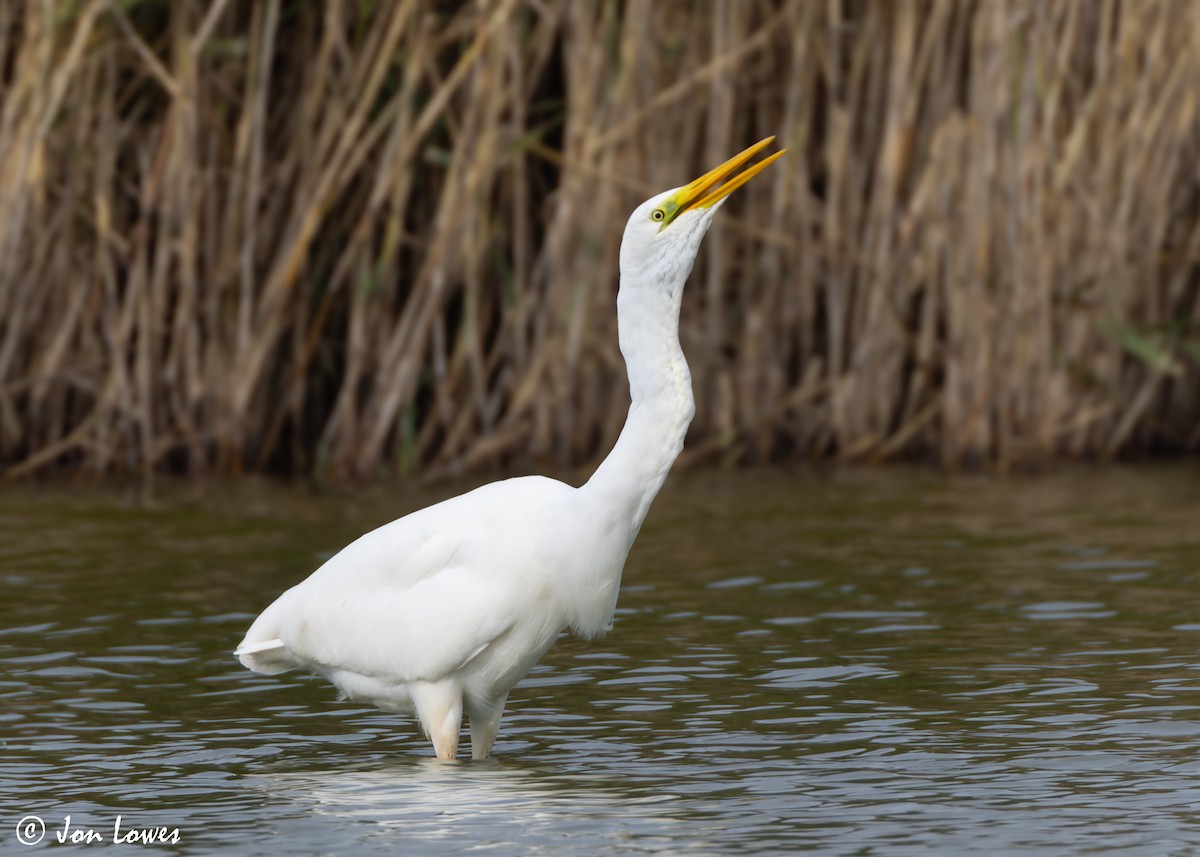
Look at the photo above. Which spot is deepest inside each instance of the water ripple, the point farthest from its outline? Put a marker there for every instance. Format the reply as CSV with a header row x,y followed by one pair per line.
x,y
778,681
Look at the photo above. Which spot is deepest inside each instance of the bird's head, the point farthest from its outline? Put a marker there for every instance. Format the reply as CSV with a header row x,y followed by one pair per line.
x,y
664,232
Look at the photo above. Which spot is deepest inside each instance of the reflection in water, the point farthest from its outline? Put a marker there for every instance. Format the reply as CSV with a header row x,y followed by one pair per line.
x,y
881,663
432,804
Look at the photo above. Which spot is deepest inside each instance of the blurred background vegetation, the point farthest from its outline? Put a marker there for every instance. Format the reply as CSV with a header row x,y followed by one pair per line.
x,y
354,238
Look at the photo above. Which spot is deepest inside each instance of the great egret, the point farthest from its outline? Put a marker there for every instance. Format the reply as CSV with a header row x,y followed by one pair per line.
x,y
444,610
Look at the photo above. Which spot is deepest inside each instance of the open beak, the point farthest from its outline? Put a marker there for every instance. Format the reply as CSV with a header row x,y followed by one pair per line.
x,y
708,190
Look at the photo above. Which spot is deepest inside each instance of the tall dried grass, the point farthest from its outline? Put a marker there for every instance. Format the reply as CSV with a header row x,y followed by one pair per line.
x,y
352,236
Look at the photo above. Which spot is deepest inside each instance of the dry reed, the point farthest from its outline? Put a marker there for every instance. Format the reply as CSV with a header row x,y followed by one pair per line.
x,y
351,237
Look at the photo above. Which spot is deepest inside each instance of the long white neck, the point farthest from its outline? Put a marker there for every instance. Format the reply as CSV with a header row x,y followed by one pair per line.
x,y
662,406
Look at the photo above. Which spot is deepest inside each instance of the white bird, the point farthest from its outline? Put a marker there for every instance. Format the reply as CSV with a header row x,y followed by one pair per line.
x,y
443,611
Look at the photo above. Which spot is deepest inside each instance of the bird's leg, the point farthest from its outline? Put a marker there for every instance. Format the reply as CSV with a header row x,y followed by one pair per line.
x,y
485,723
439,707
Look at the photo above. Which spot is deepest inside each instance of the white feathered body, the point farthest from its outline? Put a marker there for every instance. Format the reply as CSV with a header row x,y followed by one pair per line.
x,y
474,589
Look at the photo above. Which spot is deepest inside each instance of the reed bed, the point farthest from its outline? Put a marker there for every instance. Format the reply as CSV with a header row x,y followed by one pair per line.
x,y
353,238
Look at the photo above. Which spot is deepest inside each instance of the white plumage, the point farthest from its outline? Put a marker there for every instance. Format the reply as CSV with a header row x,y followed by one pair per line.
x,y
443,611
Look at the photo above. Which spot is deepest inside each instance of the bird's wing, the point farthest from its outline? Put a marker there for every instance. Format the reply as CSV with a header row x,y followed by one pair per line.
x,y
414,600
420,632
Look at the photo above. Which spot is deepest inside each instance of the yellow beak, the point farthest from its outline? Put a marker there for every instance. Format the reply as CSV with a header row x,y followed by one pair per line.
x,y
707,190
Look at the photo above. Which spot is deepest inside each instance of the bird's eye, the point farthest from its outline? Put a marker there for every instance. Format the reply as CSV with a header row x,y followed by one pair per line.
x,y
658,214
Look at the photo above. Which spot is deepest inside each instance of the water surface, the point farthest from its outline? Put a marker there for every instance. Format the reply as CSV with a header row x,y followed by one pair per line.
x,y
876,663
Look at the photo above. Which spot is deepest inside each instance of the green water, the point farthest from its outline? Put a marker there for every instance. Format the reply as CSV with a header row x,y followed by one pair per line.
x,y
873,663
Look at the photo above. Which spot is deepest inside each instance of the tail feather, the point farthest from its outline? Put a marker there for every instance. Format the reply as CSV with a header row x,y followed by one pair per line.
x,y
268,657
261,646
